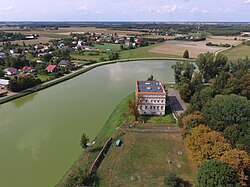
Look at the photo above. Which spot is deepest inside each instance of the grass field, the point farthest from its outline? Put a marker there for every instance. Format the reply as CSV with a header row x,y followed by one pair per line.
x,y
240,51
87,57
108,46
142,160
145,52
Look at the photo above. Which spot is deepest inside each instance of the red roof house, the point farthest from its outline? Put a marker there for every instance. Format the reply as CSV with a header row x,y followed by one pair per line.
x,y
50,68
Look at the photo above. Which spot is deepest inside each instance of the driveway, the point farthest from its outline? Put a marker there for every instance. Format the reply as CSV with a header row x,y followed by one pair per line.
x,y
174,99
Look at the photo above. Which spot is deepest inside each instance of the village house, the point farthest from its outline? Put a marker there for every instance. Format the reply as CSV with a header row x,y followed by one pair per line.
x,y
150,98
10,71
51,68
64,64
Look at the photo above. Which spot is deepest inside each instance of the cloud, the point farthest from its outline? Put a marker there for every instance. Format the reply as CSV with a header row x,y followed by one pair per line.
x,y
161,9
9,8
84,9
247,2
198,10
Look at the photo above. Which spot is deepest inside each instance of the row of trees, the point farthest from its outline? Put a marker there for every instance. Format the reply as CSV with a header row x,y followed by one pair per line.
x,y
18,83
216,125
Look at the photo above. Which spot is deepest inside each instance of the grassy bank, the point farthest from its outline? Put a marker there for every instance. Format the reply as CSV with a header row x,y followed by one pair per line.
x,y
118,117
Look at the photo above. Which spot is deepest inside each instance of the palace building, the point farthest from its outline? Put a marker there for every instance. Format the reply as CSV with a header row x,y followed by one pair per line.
x,y
151,97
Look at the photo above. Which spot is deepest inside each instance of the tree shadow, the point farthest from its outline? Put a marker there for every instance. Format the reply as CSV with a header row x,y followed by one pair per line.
x,y
96,149
175,103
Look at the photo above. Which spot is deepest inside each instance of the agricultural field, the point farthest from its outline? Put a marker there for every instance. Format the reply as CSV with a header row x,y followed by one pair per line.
x,y
240,51
47,35
145,52
174,47
144,159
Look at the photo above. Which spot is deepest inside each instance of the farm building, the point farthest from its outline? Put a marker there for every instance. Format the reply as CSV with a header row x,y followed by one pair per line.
x,y
150,98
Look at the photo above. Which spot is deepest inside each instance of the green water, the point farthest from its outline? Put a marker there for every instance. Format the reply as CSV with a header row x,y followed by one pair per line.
x,y
40,133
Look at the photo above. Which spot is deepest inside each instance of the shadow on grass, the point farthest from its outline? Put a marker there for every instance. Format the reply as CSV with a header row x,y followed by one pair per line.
x,y
96,149
157,119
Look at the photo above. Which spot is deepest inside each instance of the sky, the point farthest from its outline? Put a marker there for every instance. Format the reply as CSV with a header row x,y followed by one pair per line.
x,y
125,10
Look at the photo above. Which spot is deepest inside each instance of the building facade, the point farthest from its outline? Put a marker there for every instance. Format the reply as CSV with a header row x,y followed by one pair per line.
x,y
151,98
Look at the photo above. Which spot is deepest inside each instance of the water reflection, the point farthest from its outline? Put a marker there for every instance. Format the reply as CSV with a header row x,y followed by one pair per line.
x,y
26,99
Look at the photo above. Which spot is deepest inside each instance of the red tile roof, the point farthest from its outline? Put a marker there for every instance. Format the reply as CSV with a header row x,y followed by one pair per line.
x,y
50,67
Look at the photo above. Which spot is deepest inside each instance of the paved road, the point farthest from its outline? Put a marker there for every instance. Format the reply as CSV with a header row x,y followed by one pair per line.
x,y
174,99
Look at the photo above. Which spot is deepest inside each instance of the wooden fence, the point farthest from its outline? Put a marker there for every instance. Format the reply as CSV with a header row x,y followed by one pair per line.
x,y
101,156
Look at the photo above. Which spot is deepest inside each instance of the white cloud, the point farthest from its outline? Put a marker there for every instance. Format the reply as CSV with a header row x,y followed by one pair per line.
x,y
198,10
161,9
247,2
9,8
83,9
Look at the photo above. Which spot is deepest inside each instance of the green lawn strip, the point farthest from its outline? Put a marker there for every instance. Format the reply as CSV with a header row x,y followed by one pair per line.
x,y
55,36
108,46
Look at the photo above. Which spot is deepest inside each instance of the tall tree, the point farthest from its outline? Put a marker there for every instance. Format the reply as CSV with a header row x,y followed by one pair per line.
x,y
203,143
224,110
186,54
214,173
240,162
84,141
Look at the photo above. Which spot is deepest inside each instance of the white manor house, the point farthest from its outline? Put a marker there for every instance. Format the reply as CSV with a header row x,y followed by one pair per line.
x,y
151,97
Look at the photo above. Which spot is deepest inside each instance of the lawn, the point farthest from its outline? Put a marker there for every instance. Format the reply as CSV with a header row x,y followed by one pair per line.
x,y
143,160
87,56
108,46
240,51
45,77
168,118
145,52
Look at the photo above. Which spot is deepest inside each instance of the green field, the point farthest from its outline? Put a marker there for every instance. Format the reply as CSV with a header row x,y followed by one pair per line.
x,y
108,46
240,51
45,77
142,160
144,52
87,57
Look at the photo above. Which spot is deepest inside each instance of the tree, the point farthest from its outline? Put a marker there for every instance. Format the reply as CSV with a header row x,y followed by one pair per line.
x,y
214,173
113,56
1,73
239,161
232,133
151,78
171,180
205,64
186,54
133,105
190,121
224,110
186,92
84,141
200,98
203,143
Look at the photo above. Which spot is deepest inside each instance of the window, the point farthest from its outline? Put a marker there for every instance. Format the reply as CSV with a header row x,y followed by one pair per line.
x,y
150,107
162,107
146,107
